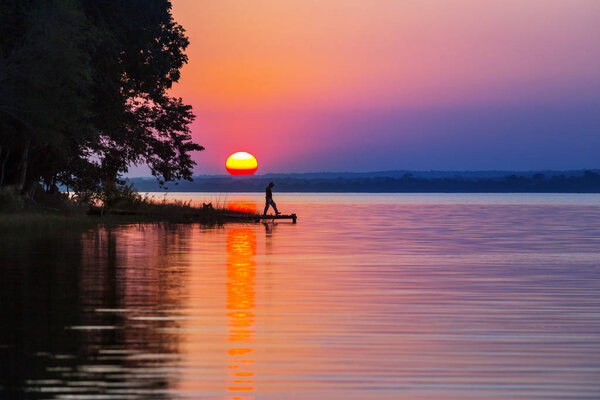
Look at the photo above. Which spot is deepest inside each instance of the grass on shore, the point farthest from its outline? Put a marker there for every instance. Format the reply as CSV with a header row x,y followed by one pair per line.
x,y
59,213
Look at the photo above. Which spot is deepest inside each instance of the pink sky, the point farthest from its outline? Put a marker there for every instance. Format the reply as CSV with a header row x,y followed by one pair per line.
x,y
360,85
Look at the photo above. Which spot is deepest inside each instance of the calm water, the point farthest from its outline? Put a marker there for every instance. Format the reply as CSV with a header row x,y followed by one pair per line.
x,y
366,297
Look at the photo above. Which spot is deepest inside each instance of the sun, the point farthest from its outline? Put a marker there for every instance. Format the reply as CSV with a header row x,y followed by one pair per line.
x,y
241,163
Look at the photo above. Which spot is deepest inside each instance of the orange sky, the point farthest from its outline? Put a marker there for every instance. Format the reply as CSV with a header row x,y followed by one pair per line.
x,y
278,78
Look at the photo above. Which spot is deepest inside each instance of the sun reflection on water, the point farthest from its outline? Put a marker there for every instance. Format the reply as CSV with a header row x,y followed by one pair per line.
x,y
241,274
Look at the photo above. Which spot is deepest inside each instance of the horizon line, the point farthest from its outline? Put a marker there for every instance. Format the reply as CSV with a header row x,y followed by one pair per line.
x,y
512,171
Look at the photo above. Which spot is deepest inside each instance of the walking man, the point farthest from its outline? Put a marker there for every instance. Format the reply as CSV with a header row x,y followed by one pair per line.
x,y
269,200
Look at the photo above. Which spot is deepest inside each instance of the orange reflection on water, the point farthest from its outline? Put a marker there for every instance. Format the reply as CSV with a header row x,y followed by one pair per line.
x,y
241,274
243,206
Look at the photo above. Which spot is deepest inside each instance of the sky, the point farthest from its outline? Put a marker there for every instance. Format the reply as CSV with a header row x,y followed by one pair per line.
x,y
354,85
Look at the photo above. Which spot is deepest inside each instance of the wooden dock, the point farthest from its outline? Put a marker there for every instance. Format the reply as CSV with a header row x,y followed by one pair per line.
x,y
204,214
259,217
293,217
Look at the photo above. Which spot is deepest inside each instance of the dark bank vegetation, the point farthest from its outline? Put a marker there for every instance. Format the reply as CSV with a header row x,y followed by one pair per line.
x,y
585,182
59,213
84,95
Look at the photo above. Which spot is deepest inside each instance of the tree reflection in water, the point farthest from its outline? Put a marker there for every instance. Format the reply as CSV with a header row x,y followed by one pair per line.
x,y
101,312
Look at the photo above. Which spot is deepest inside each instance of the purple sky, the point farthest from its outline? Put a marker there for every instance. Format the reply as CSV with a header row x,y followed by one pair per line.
x,y
354,85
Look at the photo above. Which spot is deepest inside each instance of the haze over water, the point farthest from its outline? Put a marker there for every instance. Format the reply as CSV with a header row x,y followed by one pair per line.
x,y
366,297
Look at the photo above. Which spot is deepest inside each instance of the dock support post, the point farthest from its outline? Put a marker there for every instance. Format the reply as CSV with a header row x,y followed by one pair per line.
x,y
293,218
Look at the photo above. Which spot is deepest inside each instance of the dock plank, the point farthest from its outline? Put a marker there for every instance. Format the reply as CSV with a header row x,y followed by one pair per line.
x,y
260,217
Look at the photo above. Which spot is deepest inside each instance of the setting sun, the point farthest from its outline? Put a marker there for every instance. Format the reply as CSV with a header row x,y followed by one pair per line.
x,y
241,163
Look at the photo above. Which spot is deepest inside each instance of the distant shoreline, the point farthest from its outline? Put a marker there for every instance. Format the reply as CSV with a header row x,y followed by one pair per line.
x,y
532,182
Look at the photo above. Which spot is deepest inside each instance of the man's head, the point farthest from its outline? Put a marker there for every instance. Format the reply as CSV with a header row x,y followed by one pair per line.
x,y
271,184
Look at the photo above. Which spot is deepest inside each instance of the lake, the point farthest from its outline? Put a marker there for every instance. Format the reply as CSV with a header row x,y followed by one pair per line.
x,y
368,296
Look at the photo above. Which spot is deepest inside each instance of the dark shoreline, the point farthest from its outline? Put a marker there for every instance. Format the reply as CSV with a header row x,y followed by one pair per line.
x,y
41,220
587,182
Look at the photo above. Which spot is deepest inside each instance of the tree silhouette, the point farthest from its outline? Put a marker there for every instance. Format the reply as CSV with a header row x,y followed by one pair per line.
x,y
83,93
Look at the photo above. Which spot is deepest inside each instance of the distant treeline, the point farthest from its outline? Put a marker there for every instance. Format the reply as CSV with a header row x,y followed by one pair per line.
x,y
588,182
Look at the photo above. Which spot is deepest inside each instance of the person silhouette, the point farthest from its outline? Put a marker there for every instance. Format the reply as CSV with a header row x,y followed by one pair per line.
x,y
269,199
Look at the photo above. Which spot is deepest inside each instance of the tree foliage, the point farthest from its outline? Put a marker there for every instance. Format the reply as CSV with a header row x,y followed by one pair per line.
x,y
84,93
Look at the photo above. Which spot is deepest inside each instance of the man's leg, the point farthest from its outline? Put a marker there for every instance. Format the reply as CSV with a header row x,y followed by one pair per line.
x,y
274,207
266,207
